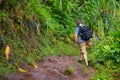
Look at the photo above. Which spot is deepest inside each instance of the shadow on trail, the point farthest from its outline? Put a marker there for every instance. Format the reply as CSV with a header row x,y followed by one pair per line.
x,y
55,68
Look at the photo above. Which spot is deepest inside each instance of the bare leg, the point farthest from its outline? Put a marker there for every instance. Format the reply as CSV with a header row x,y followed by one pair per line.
x,y
83,52
90,43
81,56
85,58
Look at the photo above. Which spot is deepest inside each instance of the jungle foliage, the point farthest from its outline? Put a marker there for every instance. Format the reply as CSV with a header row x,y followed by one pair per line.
x,y
37,28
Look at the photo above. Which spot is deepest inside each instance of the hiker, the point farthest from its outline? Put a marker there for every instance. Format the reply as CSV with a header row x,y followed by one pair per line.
x,y
83,43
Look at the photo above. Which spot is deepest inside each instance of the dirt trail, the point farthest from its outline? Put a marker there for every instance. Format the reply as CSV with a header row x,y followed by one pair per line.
x,y
55,68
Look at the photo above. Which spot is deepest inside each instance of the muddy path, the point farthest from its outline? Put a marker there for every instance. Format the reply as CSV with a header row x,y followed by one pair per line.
x,y
55,68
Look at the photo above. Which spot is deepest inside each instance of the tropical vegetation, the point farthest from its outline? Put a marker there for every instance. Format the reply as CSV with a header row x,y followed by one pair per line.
x,y
34,29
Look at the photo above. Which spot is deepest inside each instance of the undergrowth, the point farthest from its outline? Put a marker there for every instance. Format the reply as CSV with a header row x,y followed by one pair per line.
x,y
35,29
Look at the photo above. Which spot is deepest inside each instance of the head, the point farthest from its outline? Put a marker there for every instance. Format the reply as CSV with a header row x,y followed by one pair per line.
x,y
79,22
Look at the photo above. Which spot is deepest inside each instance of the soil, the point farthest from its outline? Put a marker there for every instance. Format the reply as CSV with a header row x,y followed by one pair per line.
x,y
54,68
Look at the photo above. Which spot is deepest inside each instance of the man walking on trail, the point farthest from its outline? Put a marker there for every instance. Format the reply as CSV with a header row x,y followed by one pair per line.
x,y
83,42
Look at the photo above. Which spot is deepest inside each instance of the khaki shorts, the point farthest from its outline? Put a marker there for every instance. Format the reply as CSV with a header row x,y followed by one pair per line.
x,y
83,46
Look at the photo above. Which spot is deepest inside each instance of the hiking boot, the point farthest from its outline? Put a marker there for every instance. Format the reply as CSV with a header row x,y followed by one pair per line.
x,y
80,61
87,65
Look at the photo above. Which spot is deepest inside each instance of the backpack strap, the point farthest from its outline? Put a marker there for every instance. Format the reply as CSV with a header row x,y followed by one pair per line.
x,y
80,30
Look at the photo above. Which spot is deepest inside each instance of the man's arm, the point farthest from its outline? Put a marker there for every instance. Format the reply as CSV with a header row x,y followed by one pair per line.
x,y
76,38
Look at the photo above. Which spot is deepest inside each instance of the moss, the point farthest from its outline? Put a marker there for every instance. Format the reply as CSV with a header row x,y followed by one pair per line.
x,y
69,71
